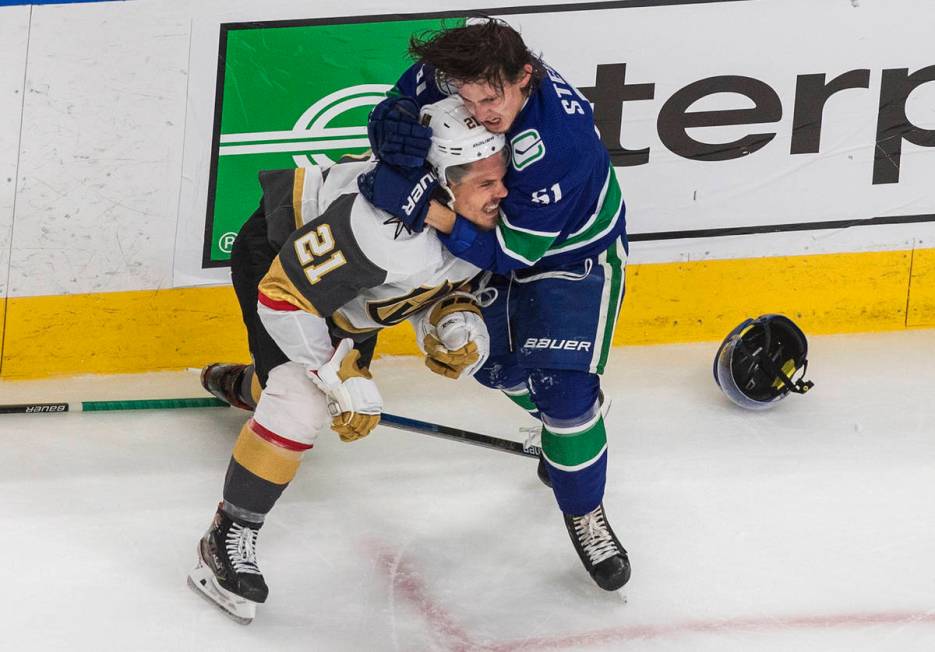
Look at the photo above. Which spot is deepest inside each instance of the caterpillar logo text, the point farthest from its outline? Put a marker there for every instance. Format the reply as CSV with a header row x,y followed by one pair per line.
x,y
812,93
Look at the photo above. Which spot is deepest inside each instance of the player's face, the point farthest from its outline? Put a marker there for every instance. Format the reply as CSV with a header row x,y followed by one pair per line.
x,y
495,108
478,195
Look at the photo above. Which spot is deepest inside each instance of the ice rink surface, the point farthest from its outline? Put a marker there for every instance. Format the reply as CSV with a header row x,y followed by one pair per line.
x,y
808,527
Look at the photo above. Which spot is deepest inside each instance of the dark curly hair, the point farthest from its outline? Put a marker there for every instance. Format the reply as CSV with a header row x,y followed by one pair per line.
x,y
488,51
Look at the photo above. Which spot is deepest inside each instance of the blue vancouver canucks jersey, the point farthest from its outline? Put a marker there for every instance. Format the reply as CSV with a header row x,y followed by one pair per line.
x,y
564,202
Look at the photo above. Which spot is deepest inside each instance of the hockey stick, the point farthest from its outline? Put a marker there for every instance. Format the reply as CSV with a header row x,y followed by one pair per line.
x,y
457,434
474,438
386,419
109,406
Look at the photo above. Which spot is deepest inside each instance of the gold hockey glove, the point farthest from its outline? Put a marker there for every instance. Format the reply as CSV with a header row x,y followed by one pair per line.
x,y
457,343
353,398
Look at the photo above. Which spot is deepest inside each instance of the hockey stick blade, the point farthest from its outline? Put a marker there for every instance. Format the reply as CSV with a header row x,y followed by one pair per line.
x,y
457,434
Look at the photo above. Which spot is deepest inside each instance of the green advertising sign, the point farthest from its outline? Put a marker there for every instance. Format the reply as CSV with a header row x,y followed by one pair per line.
x,y
294,94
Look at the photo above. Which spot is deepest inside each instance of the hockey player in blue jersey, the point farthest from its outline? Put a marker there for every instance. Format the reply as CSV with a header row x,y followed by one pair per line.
x,y
556,257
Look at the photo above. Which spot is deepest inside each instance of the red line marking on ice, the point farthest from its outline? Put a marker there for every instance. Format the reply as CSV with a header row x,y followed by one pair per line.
x,y
764,623
407,582
410,585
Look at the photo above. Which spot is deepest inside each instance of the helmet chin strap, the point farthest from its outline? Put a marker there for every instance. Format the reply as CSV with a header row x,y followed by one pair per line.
x,y
763,358
799,386
443,194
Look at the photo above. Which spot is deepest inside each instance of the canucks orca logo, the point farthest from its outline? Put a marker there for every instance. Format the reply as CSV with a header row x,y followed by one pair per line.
x,y
527,148
311,137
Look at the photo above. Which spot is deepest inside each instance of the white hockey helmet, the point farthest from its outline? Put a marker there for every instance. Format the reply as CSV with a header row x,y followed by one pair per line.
x,y
457,137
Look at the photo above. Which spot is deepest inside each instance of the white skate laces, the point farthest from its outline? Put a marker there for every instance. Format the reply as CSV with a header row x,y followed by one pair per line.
x,y
241,548
596,541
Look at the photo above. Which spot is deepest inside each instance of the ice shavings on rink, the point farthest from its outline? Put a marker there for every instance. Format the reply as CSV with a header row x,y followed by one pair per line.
x,y
807,527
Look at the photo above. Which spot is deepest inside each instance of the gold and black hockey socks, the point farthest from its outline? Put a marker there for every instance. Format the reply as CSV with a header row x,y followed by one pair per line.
x,y
261,467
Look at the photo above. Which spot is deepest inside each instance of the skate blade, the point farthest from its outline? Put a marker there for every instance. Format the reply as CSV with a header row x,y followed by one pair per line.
x,y
240,610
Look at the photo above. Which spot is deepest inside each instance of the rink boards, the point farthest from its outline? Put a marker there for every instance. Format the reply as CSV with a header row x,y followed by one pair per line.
x,y
759,176
665,302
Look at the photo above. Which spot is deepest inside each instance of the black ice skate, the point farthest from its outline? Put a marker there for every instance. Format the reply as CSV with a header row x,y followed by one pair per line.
x,y
225,381
599,550
227,572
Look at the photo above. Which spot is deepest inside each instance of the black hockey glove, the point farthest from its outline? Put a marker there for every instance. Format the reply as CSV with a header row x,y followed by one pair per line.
x,y
396,135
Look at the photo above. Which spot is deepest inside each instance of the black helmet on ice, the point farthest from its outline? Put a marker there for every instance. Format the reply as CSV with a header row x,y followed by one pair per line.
x,y
757,362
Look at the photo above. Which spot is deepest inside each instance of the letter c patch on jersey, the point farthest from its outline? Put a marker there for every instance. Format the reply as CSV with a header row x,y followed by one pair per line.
x,y
527,148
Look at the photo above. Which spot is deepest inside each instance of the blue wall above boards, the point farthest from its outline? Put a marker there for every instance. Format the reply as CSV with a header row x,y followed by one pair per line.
x,y
10,3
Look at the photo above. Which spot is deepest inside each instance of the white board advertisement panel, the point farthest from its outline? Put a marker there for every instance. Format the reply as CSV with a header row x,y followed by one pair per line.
x,y
803,123
739,128
14,31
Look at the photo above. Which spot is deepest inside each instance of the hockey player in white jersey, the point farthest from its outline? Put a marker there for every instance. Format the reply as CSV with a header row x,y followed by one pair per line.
x,y
318,272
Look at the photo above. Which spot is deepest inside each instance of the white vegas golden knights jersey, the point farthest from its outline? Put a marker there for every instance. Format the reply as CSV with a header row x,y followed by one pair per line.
x,y
340,259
